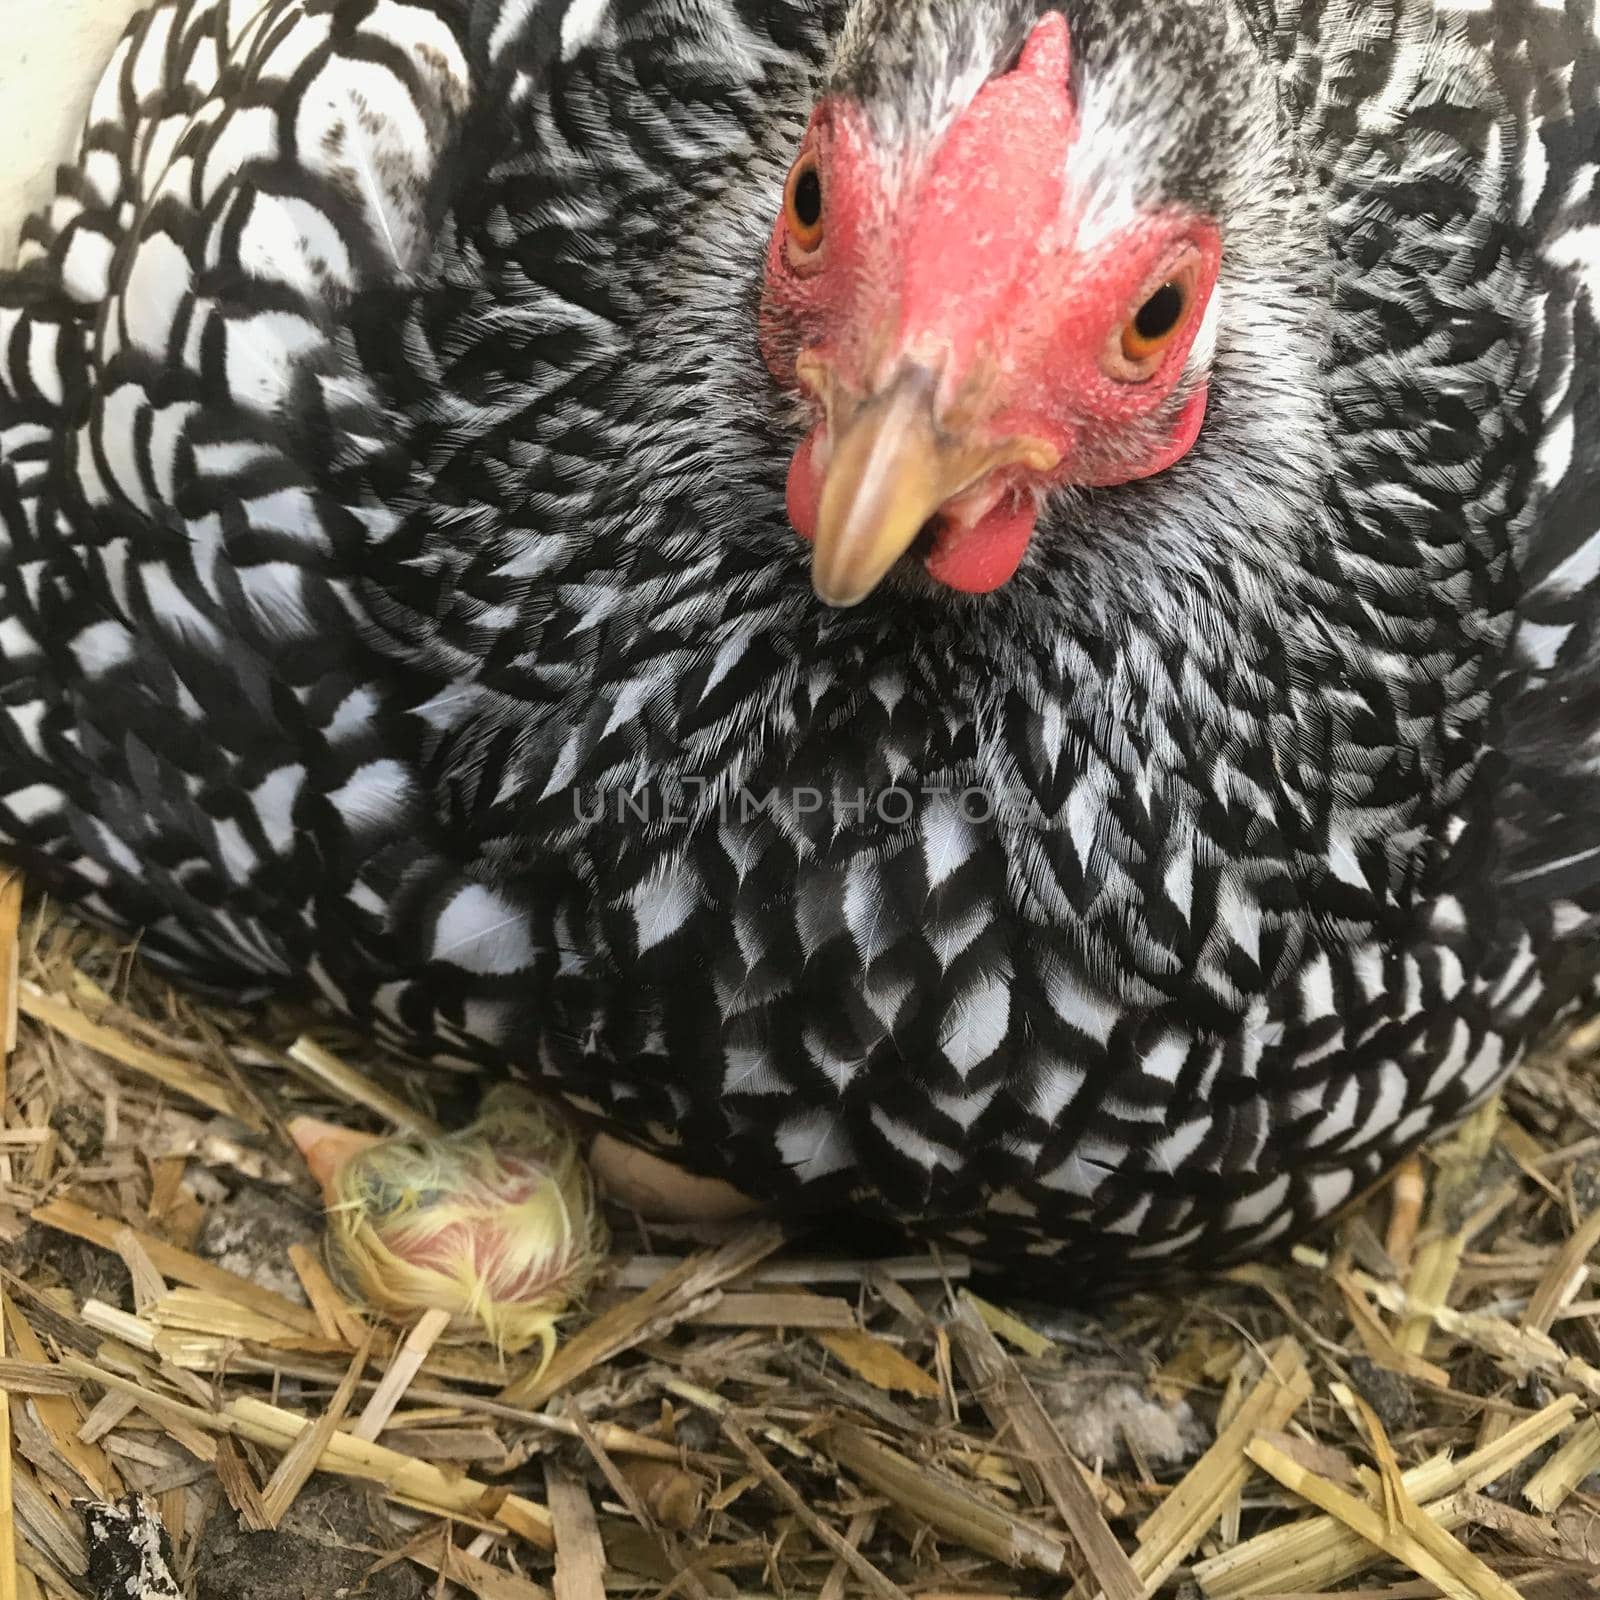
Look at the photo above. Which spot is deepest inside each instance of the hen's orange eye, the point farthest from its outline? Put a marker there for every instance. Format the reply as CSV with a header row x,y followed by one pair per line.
x,y
803,205
1156,323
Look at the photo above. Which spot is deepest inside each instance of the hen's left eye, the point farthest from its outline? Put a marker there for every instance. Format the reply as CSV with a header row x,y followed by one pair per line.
x,y
1155,322
1158,316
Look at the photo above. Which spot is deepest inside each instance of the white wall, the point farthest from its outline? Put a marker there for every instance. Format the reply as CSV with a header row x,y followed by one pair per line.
x,y
51,53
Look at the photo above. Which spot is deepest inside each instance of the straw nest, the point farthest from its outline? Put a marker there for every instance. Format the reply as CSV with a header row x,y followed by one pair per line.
x,y
1404,1406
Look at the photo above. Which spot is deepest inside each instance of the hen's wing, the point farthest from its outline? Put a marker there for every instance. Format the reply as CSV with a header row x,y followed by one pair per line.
x,y
176,624
1548,59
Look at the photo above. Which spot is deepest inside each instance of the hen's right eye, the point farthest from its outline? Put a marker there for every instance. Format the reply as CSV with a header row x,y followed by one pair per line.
x,y
803,203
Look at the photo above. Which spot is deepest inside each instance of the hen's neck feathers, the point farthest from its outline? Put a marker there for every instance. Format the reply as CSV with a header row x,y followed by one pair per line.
x,y
1221,589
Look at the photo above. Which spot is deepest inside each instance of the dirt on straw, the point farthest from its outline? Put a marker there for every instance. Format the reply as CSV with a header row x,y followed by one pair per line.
x,y
1404,1406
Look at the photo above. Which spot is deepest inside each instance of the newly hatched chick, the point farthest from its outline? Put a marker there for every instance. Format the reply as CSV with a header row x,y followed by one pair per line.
x,y
497,1224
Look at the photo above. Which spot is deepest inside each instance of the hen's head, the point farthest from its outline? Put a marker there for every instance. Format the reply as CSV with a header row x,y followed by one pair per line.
x,y
995,273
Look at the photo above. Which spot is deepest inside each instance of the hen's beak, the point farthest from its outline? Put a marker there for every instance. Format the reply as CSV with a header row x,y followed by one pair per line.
x,y
889,471
893,468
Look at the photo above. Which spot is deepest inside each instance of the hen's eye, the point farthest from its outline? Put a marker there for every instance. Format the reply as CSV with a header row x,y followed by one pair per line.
x,y
1136,351
808,198
1155,323
1158,316
803,203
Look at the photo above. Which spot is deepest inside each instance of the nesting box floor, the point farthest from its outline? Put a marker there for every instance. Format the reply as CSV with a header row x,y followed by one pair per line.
x,y
1399,1406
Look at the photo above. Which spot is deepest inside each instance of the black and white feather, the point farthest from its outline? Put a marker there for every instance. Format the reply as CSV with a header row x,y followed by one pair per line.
x,y
396,592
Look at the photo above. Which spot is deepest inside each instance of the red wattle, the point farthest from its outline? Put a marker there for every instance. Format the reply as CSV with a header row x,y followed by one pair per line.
x,y
977,560
804,494
1188,430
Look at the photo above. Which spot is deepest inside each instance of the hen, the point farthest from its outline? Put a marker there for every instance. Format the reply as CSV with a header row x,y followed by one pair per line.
x,y
1159,784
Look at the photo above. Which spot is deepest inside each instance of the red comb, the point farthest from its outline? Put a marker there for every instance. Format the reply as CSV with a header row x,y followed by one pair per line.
x,y
1048,52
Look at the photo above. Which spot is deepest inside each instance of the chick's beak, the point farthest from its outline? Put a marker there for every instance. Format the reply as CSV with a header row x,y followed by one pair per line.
x,y
893,467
